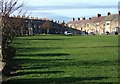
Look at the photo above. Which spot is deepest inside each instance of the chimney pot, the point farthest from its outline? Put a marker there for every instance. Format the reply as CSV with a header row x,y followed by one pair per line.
x,y
109,13
78,18
119,12
99,15
84,18
90,18
73,19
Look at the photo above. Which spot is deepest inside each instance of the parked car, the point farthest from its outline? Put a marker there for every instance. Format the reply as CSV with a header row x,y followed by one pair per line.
x,y
68,33
107,33
91,33
114,33
82,33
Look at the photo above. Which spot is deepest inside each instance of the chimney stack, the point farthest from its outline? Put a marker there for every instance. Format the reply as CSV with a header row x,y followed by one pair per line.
x,y
83,18
90,18
63,22
119,12
99,15
73,19
109,13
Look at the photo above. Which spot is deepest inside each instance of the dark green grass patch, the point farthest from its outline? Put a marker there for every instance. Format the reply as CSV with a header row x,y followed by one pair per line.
x,y
57,59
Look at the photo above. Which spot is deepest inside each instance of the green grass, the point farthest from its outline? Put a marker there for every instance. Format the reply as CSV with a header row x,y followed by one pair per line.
x,y
58,59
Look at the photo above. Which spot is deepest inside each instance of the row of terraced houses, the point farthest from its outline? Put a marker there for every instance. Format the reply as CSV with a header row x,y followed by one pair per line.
x,y
98,25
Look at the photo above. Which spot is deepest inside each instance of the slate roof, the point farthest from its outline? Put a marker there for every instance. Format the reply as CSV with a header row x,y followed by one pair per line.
x,y
80,21
93,20
111,17
98,19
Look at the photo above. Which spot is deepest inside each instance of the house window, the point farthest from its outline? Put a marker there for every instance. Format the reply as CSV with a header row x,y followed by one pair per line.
x,y
97,24
108,24
87,25
84,25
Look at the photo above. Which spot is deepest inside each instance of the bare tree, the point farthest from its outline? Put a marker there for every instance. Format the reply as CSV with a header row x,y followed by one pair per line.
x,y
47,25
8,24
8,7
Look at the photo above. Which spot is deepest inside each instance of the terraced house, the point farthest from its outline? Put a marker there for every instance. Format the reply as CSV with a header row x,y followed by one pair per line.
x,y
32,26
98,25
112,23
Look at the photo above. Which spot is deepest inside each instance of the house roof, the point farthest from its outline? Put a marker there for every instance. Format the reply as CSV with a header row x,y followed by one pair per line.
x,y
111,17
80,21
98,19
92,20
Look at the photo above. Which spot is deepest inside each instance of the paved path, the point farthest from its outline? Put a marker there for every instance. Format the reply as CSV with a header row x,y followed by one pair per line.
x,y
2,64
1,72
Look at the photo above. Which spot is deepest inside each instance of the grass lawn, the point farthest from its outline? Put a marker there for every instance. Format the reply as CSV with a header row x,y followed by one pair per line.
x,y
58,59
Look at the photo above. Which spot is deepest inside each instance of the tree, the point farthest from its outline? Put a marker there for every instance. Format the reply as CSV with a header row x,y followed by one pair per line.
x,y
8,24
47,25
7,7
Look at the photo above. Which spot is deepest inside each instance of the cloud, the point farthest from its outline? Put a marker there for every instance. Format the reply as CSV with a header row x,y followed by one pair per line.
x,y
60,18
43,13
66,11
51,16
72,6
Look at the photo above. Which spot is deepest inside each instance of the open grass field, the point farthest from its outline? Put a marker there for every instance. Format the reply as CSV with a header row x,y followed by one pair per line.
x,y
59,59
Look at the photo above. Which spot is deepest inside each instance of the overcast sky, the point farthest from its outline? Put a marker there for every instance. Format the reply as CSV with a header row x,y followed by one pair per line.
x,y
67,9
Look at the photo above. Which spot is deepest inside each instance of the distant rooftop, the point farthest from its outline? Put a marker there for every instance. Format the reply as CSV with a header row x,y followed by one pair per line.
x,y
96,19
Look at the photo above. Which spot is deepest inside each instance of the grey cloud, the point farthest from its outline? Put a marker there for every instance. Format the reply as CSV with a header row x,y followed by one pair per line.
x,y
38,10
52,16
72,6
44,13
60,18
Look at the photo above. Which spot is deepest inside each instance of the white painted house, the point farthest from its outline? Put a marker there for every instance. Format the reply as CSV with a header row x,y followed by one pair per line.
x,y
111,23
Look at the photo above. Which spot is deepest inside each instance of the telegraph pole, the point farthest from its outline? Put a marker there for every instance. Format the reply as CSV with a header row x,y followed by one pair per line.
x,y
1,66
0,37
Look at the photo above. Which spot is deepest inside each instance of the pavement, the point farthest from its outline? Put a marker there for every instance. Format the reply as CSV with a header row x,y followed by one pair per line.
x,y
2,64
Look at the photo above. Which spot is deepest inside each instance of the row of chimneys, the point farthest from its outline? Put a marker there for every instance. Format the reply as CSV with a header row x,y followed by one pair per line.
x,y
98,15
83,18
36,18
